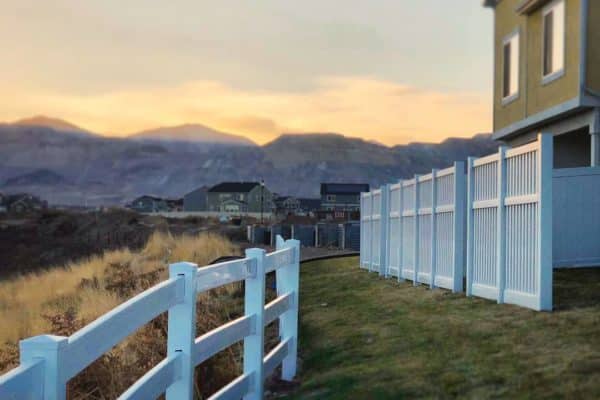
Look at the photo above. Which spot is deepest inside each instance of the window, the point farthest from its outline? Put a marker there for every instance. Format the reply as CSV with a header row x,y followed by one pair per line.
x,y
510,85
554,40
331,197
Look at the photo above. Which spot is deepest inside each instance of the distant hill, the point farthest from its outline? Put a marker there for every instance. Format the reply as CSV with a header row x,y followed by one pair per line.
x,y
48,122
89,169
37,177
192,133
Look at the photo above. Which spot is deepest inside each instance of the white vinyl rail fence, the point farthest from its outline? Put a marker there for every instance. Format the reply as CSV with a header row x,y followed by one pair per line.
x,y
48,362
509,252
415,229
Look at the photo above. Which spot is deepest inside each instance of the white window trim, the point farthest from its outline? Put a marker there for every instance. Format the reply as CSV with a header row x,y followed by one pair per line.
x,y
512,97
551,77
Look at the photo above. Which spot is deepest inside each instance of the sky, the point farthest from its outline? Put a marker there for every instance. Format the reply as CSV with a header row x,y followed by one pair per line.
x,y
391,71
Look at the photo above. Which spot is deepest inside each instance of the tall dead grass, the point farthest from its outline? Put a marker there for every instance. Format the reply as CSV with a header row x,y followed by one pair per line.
x,y
61,300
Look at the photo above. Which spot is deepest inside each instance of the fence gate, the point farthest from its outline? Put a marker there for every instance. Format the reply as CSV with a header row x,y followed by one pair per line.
x,y
509,252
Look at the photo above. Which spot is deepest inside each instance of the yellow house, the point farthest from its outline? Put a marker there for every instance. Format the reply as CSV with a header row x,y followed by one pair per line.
x,y
547,75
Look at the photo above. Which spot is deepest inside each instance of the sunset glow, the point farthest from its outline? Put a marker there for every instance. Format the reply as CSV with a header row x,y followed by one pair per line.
x,y
155,66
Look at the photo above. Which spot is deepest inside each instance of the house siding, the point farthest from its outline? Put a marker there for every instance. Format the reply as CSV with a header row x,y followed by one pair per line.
x,y
534,95
506,22
593,47
341,202
195,201
252,198
540,96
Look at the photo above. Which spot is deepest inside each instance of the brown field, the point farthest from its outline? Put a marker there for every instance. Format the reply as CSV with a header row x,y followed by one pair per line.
x,y
63,299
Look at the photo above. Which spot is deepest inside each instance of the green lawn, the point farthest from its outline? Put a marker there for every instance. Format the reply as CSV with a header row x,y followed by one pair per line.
x,y
364,337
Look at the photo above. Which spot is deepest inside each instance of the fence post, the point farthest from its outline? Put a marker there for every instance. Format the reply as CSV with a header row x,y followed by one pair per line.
x,y
400,229
501,225
459,226
383,236
51,349
470,217
416,233
433,227
182,331
254,304
288,281
544,170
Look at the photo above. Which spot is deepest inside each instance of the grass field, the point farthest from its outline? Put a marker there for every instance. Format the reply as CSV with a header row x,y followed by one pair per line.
x,y
363,337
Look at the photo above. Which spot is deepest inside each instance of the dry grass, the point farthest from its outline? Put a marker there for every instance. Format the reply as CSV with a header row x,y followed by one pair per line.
x,y
62,300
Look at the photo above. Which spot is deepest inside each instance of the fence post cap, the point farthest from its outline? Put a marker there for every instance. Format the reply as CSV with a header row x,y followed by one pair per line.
x,y
182,268
45,342
255,252
279,241
293,242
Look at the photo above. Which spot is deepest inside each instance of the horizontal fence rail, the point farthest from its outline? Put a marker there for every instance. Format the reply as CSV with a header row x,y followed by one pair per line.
x,y
48,362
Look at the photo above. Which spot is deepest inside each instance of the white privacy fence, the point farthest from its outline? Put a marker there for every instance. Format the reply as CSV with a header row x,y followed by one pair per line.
x,y
415,229
372,226
576,220
509,241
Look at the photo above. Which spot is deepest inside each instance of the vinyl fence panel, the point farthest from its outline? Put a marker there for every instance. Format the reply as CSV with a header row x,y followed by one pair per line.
x,y
576,221
408,239
510,225
419,224
366,238
376,222
395,230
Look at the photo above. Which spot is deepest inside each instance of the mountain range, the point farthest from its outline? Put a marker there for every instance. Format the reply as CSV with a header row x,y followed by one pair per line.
x,y
68,165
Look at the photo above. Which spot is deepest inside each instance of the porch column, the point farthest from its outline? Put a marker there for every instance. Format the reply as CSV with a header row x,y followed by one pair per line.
x,y
595,139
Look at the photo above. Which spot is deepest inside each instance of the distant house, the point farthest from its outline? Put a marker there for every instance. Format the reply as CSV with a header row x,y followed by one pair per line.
x,y
195,200
342,196
309,206
286,205
149,204
174,205
290,205
235,197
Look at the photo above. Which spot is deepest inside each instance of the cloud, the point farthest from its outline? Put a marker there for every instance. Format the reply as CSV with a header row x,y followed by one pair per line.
x,y
359,106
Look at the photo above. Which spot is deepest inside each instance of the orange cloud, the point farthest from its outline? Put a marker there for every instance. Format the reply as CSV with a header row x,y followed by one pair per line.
x,y
363,107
